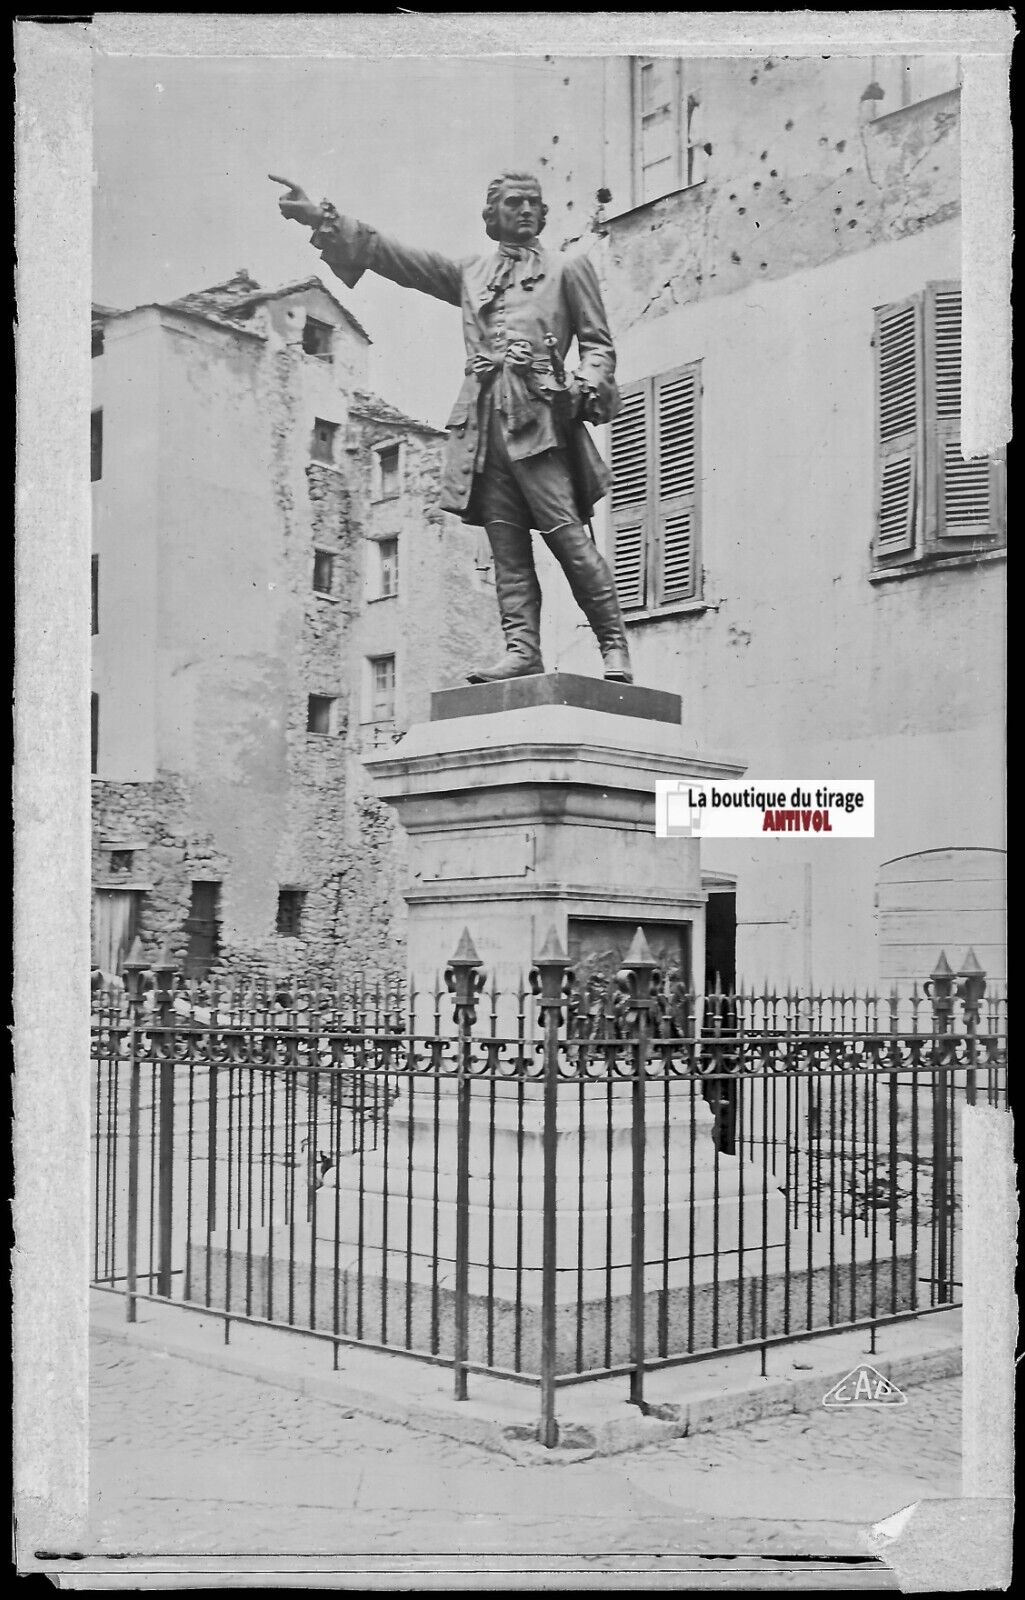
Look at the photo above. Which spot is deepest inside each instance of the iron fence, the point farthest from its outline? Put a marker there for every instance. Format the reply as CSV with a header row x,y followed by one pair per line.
x,y
627,1177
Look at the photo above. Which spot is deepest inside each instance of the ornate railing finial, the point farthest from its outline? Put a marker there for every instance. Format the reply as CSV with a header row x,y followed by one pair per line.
x,y
971,987
639,981
551,975
939,986
133,967
463,978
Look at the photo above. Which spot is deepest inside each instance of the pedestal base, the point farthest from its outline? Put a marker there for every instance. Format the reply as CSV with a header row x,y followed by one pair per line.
x,y
404,1305
539,808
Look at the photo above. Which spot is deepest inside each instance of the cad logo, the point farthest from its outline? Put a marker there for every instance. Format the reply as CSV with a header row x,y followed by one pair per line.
x,y
864,1386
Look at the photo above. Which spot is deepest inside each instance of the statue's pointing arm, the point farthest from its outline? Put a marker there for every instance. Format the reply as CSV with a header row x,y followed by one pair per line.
x,y
351,248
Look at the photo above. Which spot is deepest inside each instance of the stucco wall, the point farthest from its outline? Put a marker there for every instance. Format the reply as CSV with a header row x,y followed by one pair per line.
x,y
767,273
125,538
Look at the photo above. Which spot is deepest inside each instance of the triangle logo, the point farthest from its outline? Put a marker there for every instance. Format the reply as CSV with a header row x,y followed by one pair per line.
x,y
864,1386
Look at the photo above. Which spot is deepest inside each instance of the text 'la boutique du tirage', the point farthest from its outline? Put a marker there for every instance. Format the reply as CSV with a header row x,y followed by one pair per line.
x,y
737,809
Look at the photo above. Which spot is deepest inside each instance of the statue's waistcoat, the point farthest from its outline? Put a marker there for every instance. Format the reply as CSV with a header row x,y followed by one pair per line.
x,y
534,302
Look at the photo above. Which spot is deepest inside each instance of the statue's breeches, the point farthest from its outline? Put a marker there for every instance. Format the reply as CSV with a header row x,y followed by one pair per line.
x,y
537,492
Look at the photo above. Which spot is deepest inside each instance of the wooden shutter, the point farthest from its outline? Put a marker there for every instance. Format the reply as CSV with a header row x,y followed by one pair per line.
x,y
631,472
899,427
965,497
676,396
658,129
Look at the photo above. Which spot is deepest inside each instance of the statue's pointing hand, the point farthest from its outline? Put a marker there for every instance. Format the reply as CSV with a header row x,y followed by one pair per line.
x,y
296,205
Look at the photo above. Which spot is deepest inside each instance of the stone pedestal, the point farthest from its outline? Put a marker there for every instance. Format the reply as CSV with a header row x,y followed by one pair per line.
x,y
527,806
530,805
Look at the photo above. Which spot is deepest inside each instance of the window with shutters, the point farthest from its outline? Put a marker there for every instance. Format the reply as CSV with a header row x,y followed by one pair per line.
x,y
387,568
668,153
656,492
382,688
930,503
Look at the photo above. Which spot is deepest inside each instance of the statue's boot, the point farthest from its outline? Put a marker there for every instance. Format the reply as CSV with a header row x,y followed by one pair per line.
x,y
595,593
519,605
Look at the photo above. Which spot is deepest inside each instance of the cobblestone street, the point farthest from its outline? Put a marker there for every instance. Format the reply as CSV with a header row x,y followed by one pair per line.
x,y
188,1458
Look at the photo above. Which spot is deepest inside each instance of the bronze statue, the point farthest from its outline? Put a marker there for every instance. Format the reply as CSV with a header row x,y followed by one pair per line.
x,y
519,456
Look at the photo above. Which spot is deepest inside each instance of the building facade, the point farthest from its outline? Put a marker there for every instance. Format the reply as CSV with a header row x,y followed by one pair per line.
x,y
800,549
267,570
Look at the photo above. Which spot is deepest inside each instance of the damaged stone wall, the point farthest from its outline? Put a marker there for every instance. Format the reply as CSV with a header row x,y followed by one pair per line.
x,y
799,174
442,620
245,794
818,203
154,821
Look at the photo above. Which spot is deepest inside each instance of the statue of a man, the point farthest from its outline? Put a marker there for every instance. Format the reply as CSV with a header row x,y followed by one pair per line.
x,y
519,456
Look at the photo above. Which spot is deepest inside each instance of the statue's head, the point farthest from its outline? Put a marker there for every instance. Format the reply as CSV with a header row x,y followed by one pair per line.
x,y
511,197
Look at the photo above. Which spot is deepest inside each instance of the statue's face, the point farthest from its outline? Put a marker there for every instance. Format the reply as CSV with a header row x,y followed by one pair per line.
x,y
518,213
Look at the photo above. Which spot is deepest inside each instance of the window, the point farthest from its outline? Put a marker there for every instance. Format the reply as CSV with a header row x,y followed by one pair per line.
x,y
94,732
929,502
96,445
656,495
322,445
203,926
290,912
121,860
899,81
667,151
317,338
382,689
117,922
323,571
96,594
388,567
98,340
388,469
320,714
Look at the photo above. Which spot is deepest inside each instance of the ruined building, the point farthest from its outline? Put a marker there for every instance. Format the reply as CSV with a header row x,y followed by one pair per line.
x,y
267,576
800,548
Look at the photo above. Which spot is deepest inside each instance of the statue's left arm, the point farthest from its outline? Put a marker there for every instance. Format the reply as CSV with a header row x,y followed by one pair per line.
x,y
596,368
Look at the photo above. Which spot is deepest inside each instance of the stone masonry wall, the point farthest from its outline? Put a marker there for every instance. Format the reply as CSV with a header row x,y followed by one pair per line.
x,y
255,801
154,821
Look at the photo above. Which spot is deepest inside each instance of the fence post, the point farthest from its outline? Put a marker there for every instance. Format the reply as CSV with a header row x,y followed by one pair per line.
x,y
549,977
134,967
639,980
970,990
164,969
464,983
940,988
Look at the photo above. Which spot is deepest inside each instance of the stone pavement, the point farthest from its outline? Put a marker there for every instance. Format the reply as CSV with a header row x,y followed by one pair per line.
x,y
195,1459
